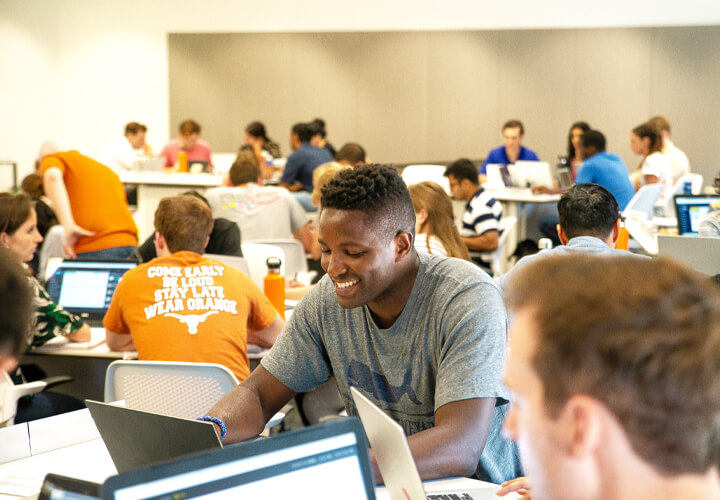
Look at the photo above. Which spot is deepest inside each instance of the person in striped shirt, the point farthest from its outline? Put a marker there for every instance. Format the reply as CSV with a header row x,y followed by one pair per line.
x,y
481,228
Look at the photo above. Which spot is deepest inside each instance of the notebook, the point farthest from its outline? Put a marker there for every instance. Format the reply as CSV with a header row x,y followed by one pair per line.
x,y
137,438
323,462
690,210
395,460
86,287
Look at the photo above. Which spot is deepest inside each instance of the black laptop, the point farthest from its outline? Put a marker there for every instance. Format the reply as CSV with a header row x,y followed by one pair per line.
x,y
690,210
323,462
86,287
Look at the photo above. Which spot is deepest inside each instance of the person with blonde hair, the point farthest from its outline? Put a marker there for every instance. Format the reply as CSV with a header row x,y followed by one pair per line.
x,y
435,231
321,176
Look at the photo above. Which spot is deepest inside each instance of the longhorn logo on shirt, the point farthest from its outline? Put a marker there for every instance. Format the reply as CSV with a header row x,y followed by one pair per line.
x,y
191,320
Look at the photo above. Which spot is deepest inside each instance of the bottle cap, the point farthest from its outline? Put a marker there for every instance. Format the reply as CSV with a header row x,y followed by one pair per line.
x,y
273,263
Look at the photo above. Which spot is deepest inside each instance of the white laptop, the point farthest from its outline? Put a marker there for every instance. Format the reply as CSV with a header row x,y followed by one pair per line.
x,y
392,452
531,174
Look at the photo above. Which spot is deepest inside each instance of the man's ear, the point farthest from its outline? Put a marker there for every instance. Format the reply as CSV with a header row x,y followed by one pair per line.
x,y
403,244
615,232
4,239
160,243
561,235
581,424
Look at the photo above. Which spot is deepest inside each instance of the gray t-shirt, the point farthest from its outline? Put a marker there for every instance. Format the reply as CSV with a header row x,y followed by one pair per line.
x,y
447,345
261,212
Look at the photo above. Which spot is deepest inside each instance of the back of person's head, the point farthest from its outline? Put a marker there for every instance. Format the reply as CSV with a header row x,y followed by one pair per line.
x,y
463,169
588,210
133,128
256,129
318,126
322,175
189,127
244,171
185,221
440,222
653,135
303,131
642,337
14,211
32,184
595,139
514,124
378,191
351,153
15,305
660,123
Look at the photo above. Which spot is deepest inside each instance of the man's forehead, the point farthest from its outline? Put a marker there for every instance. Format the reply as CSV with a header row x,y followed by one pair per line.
x,y
352,225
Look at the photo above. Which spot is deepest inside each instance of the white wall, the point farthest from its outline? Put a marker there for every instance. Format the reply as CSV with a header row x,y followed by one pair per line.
x,y
78,70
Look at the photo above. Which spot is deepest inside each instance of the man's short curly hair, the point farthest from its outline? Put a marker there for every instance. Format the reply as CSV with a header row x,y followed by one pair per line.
x,y
377,190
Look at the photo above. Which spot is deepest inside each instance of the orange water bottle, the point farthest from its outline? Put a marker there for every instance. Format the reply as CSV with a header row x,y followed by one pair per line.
x,y
622,242
182,160
275,285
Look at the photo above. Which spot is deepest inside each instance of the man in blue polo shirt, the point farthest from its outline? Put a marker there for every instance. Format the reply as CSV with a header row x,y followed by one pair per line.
x,y
513,150
606,169
298,173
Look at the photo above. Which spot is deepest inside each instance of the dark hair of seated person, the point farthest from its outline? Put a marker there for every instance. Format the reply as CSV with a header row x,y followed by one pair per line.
x,y
225,238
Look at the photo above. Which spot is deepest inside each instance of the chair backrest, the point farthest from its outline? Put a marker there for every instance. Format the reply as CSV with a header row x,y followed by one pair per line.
x,y
9,395
414,174
294,254
695,180
644,200
508,223
256,255
232,261
173,388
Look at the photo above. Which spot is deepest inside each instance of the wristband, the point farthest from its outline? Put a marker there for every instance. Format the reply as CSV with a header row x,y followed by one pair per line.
x,y
215,420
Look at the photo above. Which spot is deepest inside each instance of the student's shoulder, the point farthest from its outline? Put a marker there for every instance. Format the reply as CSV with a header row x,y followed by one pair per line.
x,y
453,273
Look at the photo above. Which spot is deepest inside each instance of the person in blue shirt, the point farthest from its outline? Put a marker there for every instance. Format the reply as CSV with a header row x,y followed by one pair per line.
x,y
606,169
513,132
298,173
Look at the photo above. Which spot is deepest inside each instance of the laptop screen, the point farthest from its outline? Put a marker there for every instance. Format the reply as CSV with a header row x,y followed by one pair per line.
x,y
691,209
327,463
86,287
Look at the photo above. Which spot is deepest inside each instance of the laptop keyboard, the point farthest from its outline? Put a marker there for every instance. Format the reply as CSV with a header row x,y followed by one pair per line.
x,y
450,496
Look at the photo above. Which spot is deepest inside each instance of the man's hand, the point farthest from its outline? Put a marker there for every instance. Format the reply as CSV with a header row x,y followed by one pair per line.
x,y
520,485
73,234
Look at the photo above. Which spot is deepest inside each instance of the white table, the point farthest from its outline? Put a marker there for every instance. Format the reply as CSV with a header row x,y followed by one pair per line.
x,y
91,461
153,186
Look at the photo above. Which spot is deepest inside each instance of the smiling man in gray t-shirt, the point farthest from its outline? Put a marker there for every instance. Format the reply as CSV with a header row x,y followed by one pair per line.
x,y
422,336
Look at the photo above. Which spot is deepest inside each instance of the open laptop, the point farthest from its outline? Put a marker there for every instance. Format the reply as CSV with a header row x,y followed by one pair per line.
x,y
702,254
323,462
531,174
137,438
86,287
395,460
690,210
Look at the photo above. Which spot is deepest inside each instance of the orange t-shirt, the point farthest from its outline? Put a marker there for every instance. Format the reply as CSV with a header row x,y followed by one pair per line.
x,y
97,201
186,307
